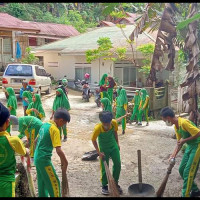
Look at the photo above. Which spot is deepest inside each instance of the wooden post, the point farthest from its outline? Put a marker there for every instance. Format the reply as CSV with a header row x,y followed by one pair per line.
x,y
13,44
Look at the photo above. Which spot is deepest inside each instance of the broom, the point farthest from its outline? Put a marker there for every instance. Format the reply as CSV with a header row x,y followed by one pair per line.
x,y
29,176
65,186
111,182
161,189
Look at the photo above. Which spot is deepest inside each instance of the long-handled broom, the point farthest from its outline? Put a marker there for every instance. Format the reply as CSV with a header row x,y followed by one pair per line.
x,y
111,182
161,189
65,186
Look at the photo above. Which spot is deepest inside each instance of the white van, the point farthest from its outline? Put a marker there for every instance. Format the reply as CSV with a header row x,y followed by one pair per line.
x,y
35,75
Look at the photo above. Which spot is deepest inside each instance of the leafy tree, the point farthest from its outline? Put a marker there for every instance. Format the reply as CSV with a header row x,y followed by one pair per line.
x,y
30,58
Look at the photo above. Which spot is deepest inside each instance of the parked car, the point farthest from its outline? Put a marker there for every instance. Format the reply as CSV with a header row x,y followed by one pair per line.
x,y
35,75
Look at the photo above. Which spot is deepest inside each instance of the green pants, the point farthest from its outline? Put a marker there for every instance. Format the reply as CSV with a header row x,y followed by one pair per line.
x,y
104,94
7,189
110,94
188,168
135,113
115,156
47,179
63,130
145,112
119,113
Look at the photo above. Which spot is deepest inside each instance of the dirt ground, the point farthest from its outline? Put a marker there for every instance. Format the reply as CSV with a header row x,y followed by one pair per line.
x,y
154,141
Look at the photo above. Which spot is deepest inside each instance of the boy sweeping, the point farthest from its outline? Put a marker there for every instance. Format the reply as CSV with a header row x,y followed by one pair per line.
x,y
108,146
186,132
9,145
49,138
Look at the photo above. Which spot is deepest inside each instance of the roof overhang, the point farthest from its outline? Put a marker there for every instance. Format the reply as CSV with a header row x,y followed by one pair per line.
x,y
44,36
19,29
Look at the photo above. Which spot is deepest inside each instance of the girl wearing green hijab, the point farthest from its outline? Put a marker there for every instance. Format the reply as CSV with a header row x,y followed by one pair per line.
x,y
121,107
105,102
35,108
27,96
111,85
144,106
103,86
61,101
11,103
136,101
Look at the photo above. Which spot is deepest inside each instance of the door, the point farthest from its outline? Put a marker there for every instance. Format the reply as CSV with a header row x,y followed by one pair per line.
x,y
118,74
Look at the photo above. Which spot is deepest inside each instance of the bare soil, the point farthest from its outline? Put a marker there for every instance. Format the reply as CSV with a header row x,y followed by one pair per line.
x,y
154,141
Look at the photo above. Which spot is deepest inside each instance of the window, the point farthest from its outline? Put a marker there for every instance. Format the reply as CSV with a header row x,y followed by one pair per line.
x,y
19,70
53,64
80,72
38,71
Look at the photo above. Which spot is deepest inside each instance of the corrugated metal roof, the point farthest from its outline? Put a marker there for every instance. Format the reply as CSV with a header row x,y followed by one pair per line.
x,y
53,29
128,19
133,15
88,40
107,23
8,21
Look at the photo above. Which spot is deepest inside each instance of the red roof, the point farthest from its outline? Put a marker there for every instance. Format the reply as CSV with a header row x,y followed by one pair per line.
x,y
10,22
128,19
133,15
107,23
51,29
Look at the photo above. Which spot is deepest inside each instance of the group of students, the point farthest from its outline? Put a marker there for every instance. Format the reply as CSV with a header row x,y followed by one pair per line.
x,y
43,137
140,100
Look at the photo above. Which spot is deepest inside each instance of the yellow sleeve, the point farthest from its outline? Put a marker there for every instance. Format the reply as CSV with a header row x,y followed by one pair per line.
x,y
146,103
55,136
115,124
96,132
140,104
17,145
125,106
27,133
41,115
28,111
187,126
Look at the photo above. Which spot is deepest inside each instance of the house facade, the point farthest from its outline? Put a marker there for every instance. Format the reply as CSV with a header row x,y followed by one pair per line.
x,y
13,30
67,57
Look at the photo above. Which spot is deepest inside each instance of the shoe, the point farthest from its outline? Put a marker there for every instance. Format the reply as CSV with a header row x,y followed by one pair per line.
x,y
119,189
147,124
195,193
123,132
136,123
130,122
139,123
65,139
173,136
105,190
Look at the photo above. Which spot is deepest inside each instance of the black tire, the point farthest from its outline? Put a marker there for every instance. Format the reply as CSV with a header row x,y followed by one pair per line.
x,y
39,92
49,90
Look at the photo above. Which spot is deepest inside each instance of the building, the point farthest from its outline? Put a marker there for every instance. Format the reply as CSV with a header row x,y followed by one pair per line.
x,y
67,57
106,23
13,30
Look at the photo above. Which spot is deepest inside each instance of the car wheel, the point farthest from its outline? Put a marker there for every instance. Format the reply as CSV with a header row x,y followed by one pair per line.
x,y
49,90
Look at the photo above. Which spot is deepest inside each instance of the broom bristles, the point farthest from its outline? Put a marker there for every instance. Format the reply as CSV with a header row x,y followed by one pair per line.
x,y
111,182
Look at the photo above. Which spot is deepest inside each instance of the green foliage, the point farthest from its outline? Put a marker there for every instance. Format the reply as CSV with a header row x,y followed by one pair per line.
x,y
147,50
106,50
30,58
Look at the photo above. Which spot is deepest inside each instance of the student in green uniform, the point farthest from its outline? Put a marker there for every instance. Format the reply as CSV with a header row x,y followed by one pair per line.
x,y
9,145
27,97
111,84
11,103
144,106
61,101
35,108
136,101
49,138
121,108
105,103
103,86
28,126
108,146
186,133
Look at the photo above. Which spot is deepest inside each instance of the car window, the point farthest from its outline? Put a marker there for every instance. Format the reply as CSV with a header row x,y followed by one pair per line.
x,y
44,72
38,71
19,70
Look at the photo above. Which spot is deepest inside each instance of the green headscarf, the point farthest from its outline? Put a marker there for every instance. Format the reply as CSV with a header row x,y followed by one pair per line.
x,y
118,92
144,94
137,98
61,101
102,81
122,99
12,100
106,103
37,105
64,81
28,95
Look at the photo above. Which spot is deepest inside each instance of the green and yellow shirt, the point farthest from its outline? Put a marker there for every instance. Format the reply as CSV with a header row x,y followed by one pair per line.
x,y
106,139
9,145
48,138
187,129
